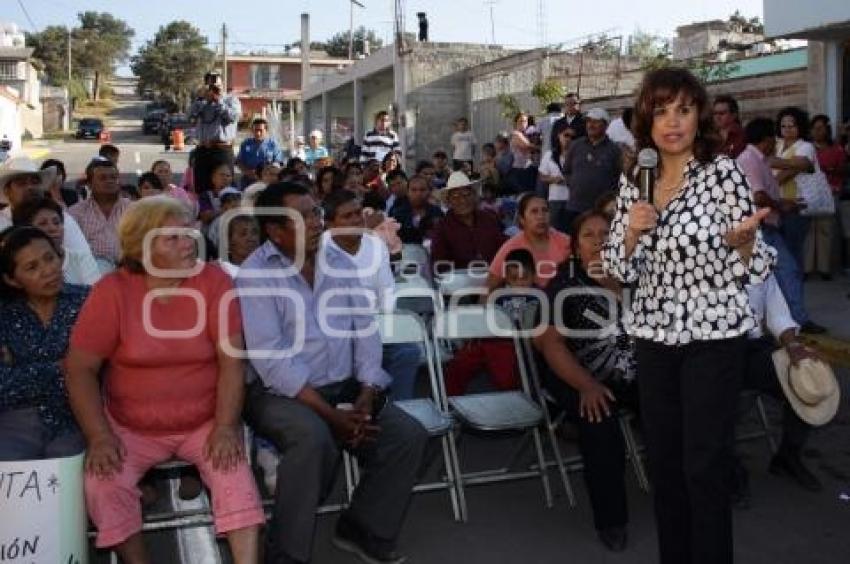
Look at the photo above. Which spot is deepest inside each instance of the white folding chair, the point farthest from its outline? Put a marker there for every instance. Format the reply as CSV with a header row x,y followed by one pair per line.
x,y
404,327
492,411
460,283
416,294
415,260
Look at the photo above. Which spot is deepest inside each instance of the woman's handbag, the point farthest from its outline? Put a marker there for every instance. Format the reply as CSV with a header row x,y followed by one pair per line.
x,y
815,191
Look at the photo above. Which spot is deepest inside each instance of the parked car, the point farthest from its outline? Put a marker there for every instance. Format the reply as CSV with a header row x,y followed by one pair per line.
x,y
176,121
150,123
90,128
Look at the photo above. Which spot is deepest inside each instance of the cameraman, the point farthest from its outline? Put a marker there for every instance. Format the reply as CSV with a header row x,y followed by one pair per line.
x,y
217,118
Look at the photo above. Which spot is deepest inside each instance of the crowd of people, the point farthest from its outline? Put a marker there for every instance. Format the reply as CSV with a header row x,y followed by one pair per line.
x,y
267,280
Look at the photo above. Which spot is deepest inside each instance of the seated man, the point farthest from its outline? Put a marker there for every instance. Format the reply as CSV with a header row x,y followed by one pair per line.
x,y
771,309
415,213
467,234
323,394
347,236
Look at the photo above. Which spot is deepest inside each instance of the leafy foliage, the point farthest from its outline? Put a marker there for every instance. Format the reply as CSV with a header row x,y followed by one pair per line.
x,y
547,92
510,106
173,63
337,46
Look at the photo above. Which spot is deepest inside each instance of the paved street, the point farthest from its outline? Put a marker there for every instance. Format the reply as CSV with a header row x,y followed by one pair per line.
x,y
508,523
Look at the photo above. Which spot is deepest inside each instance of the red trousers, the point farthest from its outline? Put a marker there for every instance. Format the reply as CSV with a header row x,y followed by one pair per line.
x,y
495,356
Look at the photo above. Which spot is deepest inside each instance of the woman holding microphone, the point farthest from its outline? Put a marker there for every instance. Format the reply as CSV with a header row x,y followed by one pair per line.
x,y
689,253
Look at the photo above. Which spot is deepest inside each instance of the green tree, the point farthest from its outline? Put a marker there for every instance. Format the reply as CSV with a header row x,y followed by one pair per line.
x,y
510,106
547,92
646,46
99,44
603,46
174,61
337,46
51,51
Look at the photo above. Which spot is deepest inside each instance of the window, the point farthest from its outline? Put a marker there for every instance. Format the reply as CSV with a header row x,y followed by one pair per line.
x,y
265,76
8,70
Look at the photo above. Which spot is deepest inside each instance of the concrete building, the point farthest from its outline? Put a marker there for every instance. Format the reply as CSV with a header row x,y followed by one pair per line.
x,y
18,72
55,108
590,75
262,80
425,88
712,37
11,117
826,25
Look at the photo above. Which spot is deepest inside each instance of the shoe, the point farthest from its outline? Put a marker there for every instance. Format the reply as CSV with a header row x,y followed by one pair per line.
x,y
351,538
614,538
812,328
190,487
789,464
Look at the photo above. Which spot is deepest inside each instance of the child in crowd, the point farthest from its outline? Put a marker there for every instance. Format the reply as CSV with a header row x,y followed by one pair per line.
x,y
440,161
487,169
496,356
463,145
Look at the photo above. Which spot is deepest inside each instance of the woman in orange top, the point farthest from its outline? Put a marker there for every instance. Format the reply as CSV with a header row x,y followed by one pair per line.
x,y
172,389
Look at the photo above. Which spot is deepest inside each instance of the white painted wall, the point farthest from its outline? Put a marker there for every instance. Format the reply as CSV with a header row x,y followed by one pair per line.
x,y
10,122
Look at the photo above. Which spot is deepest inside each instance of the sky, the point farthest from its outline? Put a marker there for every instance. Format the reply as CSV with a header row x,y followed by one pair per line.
x,y
271,24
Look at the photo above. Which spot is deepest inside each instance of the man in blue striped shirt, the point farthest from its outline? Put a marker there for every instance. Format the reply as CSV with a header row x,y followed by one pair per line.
x,y
381,140
319,385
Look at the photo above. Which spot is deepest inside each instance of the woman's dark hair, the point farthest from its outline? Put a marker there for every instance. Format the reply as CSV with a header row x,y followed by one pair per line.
x,y
627,116
387,158
801,120
422,165
560,127
579,222
26,211
519,115
758,129
151,179
59,165
12,240
825,119
662,86
523,203
337,179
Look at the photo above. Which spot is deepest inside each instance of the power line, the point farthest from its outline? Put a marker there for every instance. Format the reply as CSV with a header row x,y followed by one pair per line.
x,y
27,14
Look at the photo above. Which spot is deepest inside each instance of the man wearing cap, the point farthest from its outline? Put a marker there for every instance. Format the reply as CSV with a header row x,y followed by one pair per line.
x,y
216,117
257,150
315,150
771,310
592,166
467,234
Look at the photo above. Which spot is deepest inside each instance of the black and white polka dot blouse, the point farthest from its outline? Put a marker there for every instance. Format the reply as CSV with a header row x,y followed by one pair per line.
x,y
689,282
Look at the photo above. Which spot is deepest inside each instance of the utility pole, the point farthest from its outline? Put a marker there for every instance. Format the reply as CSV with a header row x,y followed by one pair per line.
x,y
351,28
69,60
492,4
224,56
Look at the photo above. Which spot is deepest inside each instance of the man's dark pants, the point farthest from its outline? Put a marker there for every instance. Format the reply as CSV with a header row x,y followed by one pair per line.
x,y
309,458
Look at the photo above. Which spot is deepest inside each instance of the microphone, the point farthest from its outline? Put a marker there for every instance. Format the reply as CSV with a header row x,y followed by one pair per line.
x,y
647,163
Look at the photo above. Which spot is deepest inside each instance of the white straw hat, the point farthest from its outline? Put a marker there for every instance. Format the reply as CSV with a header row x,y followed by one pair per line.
x,y
810,387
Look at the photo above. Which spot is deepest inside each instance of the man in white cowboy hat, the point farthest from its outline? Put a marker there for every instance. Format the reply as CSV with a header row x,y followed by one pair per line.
x,y
770,370
467,234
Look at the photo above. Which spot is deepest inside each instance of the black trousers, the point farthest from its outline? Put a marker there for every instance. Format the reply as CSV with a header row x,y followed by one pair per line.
x,y
603,451
688,397
760,375
206,161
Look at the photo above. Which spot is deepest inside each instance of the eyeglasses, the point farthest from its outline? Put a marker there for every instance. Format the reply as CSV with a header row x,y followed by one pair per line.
x,y
460,194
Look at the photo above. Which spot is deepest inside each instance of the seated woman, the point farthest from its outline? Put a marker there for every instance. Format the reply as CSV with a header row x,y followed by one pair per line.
x,y
588,374
78,264
36,318
171,388
549,246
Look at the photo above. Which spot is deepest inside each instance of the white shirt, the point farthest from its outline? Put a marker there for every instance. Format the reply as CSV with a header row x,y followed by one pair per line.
x,y
557,192
80,268
463,143
372,262
619,133
769,309
546,123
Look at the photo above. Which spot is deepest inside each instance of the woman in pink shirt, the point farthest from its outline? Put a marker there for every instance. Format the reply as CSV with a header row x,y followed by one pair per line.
x,y
160,331
549,246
